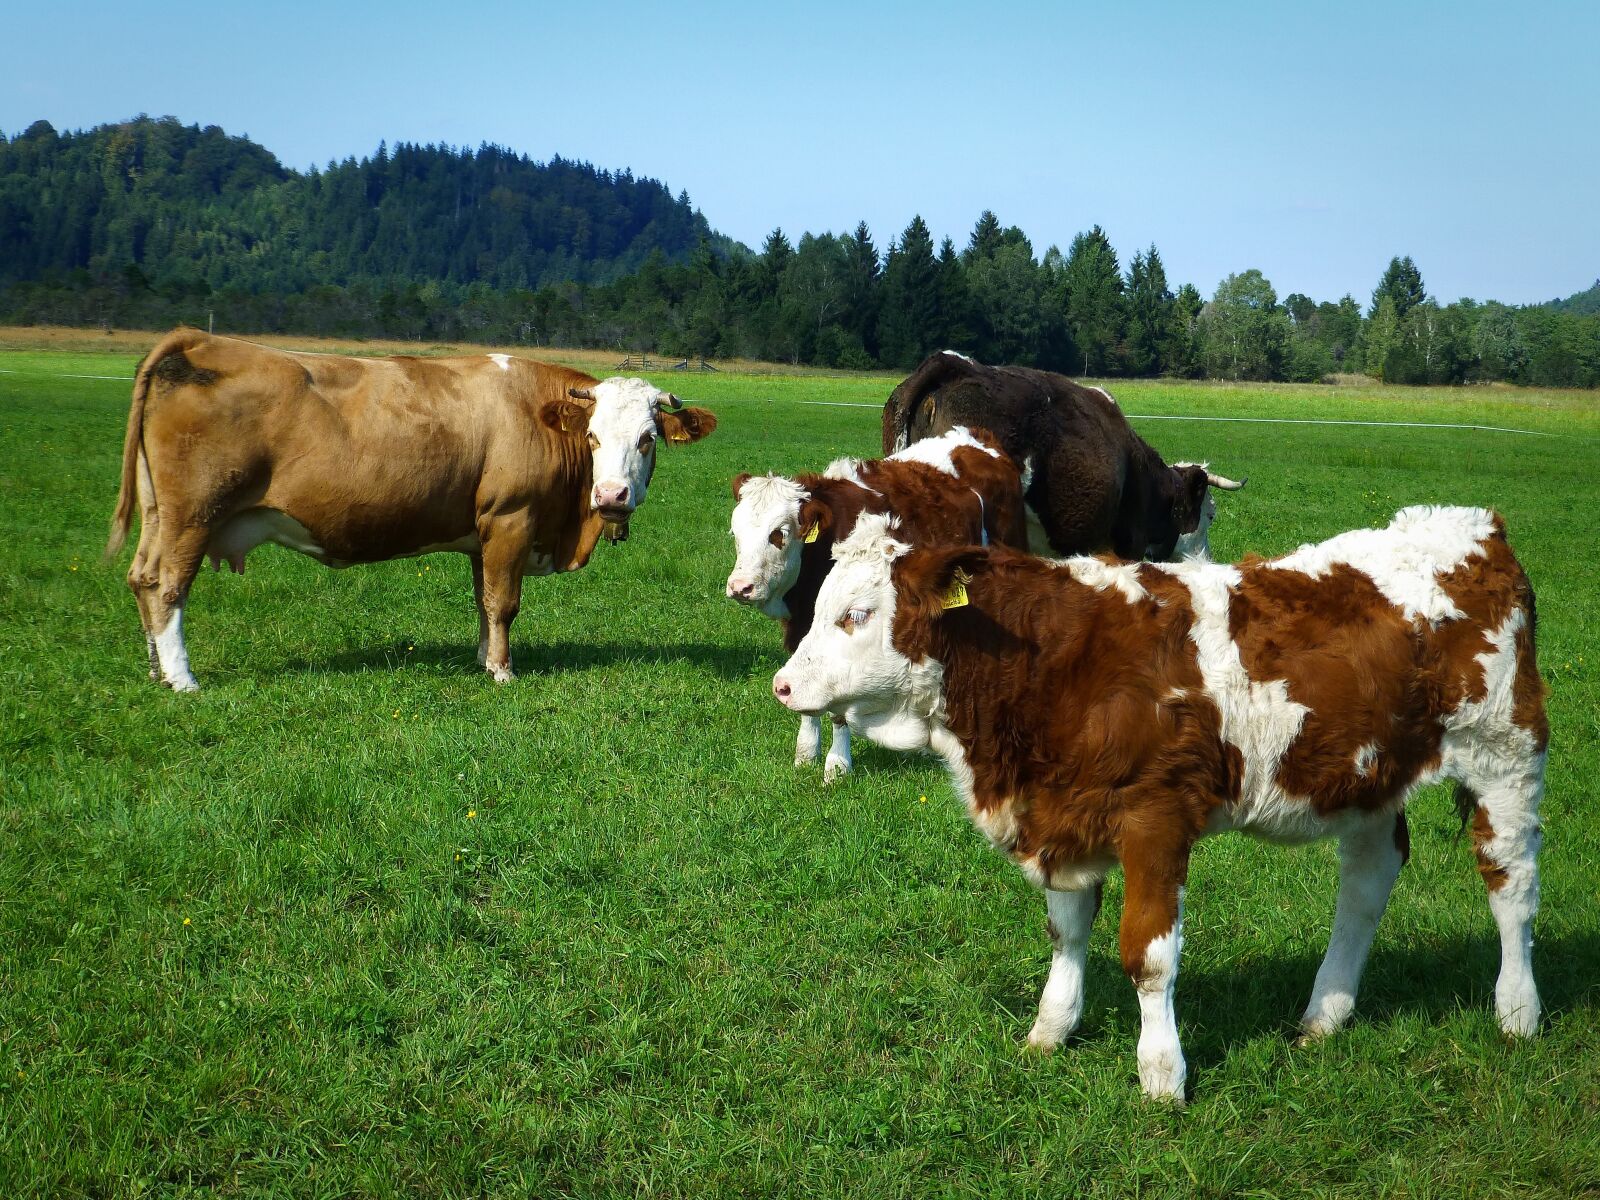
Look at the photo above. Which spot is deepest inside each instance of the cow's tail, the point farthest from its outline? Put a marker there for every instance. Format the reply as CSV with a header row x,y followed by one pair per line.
x,y
133,442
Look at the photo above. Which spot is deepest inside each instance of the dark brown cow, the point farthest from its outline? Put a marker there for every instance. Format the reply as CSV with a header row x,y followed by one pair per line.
x,y
946,491
520,465
1094,713
1092,483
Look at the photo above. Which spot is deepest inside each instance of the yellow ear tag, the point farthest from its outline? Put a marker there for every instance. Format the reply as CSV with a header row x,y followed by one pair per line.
x,y
811,534
955,596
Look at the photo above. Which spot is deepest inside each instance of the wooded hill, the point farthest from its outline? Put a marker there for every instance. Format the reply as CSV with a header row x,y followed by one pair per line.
x,y
188,208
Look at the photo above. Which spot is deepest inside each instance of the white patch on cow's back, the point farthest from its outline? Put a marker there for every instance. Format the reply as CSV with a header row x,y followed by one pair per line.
x,y
1102,575
503,361
1405,558
937,452
848,470
958,354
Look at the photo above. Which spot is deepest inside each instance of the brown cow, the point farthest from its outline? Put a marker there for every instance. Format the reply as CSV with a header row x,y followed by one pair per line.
x,y
519,465
946,491
1095,713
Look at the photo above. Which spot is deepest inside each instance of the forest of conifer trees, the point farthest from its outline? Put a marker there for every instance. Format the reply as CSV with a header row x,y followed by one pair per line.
x,y
150,223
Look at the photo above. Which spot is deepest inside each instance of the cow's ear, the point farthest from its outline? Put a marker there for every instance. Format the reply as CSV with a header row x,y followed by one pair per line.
x,y
565,417
930,583
816,519
686,424
739,481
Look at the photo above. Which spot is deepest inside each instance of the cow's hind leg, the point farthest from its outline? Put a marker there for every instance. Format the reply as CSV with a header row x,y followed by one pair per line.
x,y
144,577
1370,858
178,557
1061,1004
1506,838
837,764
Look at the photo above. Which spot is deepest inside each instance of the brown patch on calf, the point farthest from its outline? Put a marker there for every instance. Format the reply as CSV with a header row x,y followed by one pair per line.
x,y
1336,640
1494,875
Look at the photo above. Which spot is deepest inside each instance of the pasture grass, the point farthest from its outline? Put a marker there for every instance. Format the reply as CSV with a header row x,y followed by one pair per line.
x,y
354,921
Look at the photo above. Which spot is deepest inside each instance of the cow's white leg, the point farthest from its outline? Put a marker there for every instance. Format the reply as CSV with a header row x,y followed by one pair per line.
x,y
1061,1003
1370,858
838,762
1151,940
1506,838
808,742
172,655
176,559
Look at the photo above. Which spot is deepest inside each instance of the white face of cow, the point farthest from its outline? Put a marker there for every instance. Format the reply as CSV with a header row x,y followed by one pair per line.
x,y
622,439
766,542
847,663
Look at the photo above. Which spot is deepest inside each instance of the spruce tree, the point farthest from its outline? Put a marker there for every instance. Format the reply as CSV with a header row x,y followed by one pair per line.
x,y
909,321
1093,301
1402,283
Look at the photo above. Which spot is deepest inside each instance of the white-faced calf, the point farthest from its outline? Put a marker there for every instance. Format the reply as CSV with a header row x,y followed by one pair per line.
x,y
1095,713
946,491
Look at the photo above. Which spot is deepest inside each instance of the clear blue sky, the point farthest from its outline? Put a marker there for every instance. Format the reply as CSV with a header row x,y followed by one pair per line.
x,y
1310,140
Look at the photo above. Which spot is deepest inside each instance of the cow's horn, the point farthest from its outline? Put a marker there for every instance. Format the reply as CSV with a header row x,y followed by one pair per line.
x,y
1226,484
672,401
580,393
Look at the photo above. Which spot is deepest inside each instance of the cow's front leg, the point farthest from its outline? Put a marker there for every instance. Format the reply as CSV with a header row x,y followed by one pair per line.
x,y
1061,1004
808,742
837,764
1151,938
505,550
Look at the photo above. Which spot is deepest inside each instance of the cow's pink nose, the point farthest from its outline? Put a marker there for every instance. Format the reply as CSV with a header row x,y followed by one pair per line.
x,y
781,688
741,589
610,495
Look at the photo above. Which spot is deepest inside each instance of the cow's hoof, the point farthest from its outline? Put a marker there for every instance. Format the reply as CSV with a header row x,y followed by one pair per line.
x,y
502,674
183,683
834,769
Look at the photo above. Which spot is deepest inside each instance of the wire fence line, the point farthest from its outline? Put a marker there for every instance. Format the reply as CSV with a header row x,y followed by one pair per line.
x,y
128,379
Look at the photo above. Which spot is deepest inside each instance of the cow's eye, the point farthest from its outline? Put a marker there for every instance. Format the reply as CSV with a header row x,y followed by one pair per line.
x,y
594,442
854,619
778,538
646,442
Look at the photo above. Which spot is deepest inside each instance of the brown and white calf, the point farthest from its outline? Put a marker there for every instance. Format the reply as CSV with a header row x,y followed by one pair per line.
x,y
1095,713
520,465
946,491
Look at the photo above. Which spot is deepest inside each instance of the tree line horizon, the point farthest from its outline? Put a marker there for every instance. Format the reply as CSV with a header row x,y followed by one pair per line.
x,y
151,223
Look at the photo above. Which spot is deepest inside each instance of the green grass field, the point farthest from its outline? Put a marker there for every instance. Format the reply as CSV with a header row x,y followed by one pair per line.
x,y
354,921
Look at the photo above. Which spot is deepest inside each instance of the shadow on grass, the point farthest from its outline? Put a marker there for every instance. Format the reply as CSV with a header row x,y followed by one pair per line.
x,y
1221,1008
529,658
